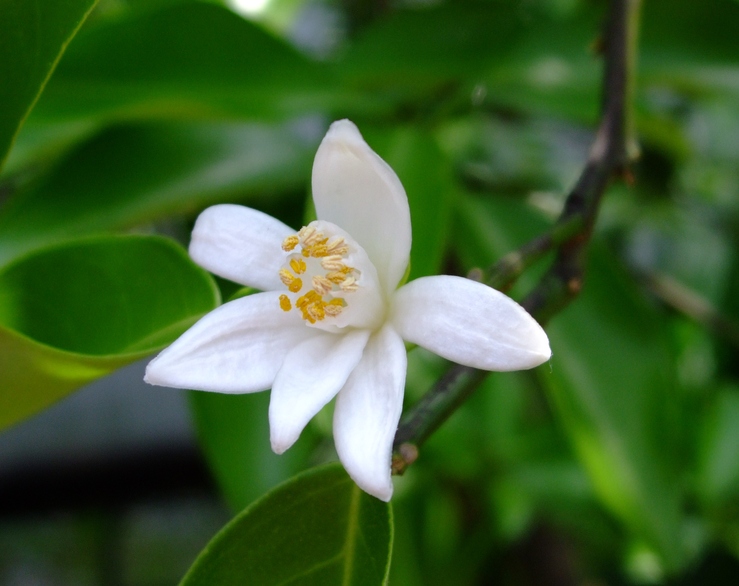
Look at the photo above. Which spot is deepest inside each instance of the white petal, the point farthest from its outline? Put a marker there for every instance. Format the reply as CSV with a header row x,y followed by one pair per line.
x,y
311,375
237,348
367,412
240,244
356,190
469,323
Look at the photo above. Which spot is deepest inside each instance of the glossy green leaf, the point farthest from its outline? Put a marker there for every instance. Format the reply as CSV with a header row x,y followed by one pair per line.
x,y
612,385
676,51
75,312
183,60
518,155
428,179
316,529
33,35
551,70
718,461
421,50
234,434
131,174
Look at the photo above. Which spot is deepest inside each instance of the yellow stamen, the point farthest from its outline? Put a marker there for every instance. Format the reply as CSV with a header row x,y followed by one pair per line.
x,y
286,277
316,304
298,265
306,232
321,285
310,297
337,277
293,283
316,311
318,251
332,262
335,243
349,284
290,243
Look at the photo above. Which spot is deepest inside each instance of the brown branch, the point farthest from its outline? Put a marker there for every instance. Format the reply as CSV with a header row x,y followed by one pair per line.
x,y
691,304
608,157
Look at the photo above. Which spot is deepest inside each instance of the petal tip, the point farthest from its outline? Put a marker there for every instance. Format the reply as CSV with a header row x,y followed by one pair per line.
x,y
542,349
372,480
538,352
280,442
160,374
343,130
279,448
150,375
382,491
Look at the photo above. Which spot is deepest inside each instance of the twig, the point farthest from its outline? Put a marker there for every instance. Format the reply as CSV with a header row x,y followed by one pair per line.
x,y
691,304
609,156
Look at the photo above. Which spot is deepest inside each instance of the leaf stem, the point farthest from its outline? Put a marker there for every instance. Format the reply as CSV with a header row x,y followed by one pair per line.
x,y
608,158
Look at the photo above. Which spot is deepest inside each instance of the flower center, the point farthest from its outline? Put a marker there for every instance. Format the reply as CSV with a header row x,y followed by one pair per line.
x,y
316,274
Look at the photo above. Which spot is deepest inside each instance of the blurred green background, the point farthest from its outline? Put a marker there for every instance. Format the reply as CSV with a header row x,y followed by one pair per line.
x,y
616,463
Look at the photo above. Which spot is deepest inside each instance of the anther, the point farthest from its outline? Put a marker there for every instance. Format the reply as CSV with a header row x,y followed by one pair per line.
x,y
321,285
285,304
349,284
310,297
298,265
318,251
290,243
335,243
316,311
336,277
286,277
306,232
332,263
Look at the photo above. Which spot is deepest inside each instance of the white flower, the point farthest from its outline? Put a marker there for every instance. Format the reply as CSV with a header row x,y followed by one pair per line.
x,y
331,320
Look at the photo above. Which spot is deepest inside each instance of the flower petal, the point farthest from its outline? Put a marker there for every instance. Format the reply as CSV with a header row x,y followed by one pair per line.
x,y
237,348
356,190
240,244
367,413
311,375
469,323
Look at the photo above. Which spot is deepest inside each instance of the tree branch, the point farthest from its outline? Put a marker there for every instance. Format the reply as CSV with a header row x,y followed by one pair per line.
x,y
609,156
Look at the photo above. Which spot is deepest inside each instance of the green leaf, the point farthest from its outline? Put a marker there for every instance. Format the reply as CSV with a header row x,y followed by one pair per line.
x,y
676,51
417,51
718,461
183,60
552,69
75,312
131,174
234,433
428,179
318,528
33,35
611,385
